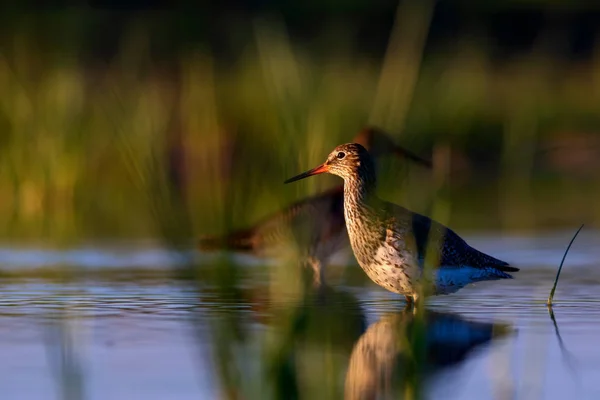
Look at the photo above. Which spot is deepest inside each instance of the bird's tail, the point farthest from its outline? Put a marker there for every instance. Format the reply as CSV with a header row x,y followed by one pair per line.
x,y
497,273
507,268
235,241
502,268
489,261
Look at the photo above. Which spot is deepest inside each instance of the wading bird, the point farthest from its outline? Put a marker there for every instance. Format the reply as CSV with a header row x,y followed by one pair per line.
x,y
314,227
389,241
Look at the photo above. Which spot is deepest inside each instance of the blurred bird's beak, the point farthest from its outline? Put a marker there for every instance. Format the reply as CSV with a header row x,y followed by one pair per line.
x,y
403,153
315,171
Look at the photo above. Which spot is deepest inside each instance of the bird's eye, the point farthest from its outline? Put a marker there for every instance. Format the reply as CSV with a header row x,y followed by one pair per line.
x,y
341,155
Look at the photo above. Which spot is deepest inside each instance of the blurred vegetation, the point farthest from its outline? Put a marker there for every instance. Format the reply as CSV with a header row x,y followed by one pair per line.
x,y
152,125
522,132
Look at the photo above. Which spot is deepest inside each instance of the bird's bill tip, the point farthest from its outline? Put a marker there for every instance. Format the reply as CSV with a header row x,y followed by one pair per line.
x,y
403,153
315,171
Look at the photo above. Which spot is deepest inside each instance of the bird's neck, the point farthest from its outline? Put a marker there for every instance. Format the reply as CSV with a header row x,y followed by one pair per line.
x,y
359,190
361,207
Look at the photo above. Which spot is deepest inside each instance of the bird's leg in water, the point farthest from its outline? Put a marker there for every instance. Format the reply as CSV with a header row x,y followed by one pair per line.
x,y
317,268
412,302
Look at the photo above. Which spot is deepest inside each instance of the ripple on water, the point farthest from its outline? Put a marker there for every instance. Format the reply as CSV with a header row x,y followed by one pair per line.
x,y
128,326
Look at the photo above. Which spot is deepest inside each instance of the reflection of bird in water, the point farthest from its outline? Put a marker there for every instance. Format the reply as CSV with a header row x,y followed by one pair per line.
x,y
323,325
389,241
326,317
314,226
311,341
386,356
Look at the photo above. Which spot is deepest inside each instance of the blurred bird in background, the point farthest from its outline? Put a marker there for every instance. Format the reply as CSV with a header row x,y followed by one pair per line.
x,y
314,228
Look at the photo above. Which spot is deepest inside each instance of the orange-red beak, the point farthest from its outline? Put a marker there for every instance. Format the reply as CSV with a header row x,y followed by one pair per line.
x,y
315,171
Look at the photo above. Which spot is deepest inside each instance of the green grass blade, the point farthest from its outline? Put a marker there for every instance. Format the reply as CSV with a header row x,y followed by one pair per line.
x,y
551,297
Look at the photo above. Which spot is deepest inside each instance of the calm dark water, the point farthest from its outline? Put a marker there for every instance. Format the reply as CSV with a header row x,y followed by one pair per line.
x,y
153,337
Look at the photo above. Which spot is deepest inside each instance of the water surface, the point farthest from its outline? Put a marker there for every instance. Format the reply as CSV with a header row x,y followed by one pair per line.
x,y
140,333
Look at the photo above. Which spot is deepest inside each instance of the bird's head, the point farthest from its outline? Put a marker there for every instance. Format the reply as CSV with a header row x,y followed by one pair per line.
x,y
346,161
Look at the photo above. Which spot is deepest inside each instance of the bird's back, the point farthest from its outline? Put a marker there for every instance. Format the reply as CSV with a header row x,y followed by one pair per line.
x,y
431,235
306,225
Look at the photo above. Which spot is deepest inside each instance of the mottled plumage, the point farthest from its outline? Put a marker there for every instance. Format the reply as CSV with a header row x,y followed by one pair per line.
x,y
390,242
313,228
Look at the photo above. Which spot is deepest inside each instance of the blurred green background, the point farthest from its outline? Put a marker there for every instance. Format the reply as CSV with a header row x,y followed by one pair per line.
x,y
170,120
227,99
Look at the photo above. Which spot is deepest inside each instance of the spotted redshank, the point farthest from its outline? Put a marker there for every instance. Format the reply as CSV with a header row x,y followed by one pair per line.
x,y
389,241
314,227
